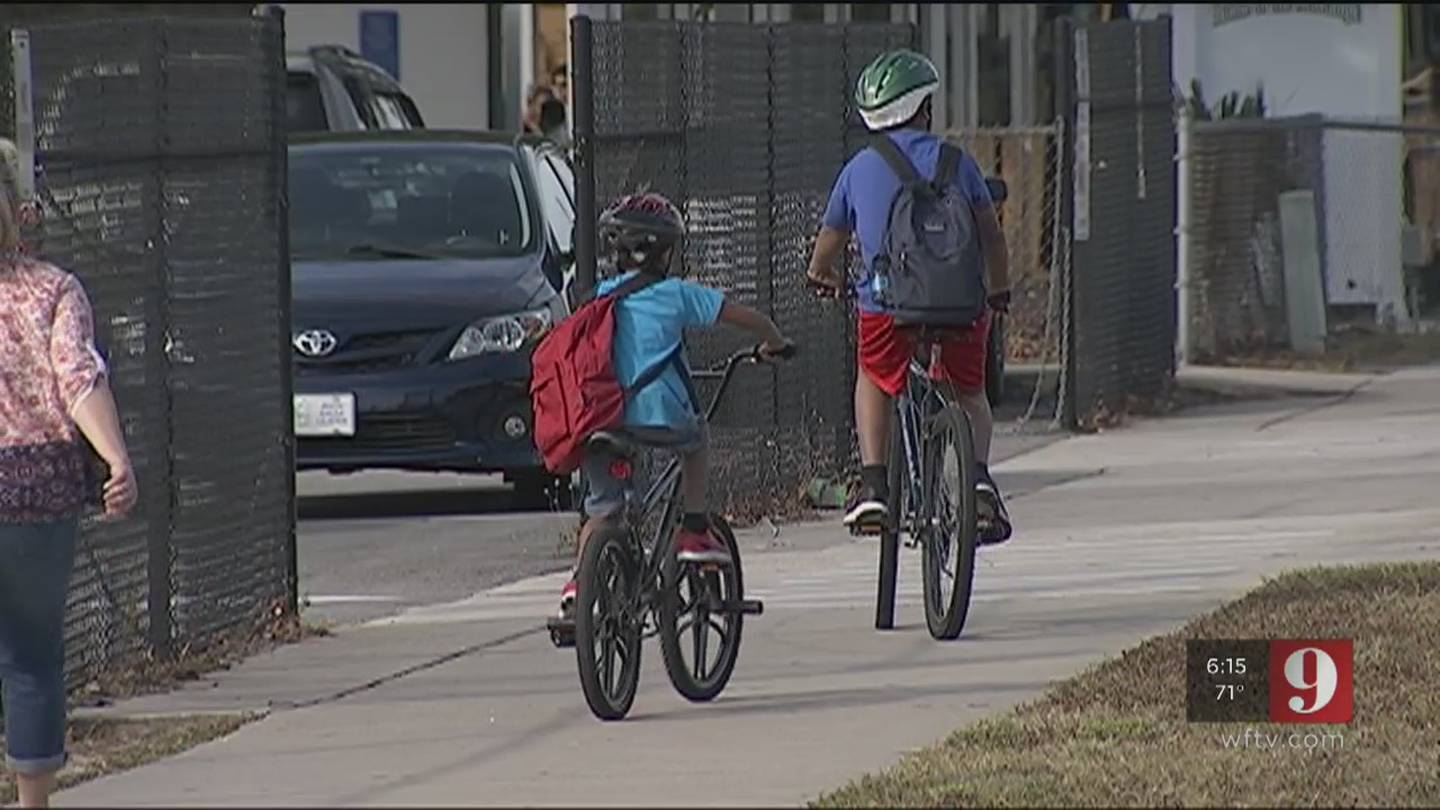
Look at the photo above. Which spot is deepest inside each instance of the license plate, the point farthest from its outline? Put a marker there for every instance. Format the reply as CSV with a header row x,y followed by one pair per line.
x,y
324,414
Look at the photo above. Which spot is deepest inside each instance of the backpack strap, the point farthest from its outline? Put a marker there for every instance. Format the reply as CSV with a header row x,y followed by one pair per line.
x,y
634,284
899,163
651,374
674,359
948,165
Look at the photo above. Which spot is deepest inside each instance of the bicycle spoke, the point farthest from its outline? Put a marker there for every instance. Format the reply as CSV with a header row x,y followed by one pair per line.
x,y
720,631
701,641
607,666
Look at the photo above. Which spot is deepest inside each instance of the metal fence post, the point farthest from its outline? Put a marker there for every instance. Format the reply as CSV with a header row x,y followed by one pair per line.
x,y
287,381
24,113
1064,81
582,39
162,531
1184,166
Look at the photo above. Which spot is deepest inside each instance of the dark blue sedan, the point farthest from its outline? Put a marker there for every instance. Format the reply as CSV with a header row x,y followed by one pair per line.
x,y
426,267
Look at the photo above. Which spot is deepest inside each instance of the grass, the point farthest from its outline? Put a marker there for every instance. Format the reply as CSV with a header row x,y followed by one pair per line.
x,y
1116,734
101,746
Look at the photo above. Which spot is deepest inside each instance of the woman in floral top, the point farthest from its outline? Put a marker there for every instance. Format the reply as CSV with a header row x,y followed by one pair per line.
x,y
53,391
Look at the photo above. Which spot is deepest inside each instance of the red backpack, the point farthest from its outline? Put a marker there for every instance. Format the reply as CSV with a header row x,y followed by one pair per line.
x,y
573,387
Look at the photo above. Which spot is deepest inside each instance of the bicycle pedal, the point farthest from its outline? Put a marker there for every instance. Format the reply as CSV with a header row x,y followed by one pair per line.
x,y
562,632
868,531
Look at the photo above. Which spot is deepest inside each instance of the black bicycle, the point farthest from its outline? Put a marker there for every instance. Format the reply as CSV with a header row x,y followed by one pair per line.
x,y
932,502
932,480
630,590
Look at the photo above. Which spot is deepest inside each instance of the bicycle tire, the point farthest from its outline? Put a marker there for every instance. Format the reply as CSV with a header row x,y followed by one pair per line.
x,y
890,538
995,362
608,547
945,617
700,689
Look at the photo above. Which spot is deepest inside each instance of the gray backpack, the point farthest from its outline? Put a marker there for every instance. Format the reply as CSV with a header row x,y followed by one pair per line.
x,y
931,269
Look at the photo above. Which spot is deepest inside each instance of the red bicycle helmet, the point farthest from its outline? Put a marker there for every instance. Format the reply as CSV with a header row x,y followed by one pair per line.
x,y
640,229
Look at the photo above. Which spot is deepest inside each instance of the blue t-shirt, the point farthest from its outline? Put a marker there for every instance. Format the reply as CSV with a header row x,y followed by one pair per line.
x,y
860,202
649,325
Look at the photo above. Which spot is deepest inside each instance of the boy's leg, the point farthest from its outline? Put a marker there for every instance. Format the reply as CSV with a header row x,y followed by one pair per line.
x,y
694,543
606,497
884,363
960,372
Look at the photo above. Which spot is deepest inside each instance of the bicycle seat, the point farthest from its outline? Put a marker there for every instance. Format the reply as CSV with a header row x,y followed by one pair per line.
x,y
612,443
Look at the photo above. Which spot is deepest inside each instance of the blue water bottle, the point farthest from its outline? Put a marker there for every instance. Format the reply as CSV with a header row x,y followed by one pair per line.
x,y
878,285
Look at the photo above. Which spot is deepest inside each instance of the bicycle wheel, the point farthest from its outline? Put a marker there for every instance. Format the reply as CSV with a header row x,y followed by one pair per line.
x,y
947,512
890,538
607,633
692,616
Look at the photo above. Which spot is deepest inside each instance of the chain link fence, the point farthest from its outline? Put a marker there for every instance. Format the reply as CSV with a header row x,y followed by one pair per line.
x,y
160,161
1030,161
1119,101
1365,184
746,127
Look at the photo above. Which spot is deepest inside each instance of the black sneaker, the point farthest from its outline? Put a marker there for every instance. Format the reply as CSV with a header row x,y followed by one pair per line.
x,y
868,511
993,524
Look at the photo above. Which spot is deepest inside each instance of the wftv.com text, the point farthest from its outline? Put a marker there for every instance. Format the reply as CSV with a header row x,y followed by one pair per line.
x,y
1252,739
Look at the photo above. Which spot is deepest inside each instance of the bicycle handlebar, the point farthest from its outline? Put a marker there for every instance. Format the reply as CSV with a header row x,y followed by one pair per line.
x,y
750,355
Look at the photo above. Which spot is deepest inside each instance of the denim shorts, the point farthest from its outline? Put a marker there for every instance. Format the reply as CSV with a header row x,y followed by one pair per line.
x,y
35,564
606,492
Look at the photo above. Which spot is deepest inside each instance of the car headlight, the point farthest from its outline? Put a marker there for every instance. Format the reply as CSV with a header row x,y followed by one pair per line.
x,y
506,333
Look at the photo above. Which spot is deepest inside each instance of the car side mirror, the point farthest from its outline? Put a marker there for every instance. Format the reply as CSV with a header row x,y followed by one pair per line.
x,y
999,189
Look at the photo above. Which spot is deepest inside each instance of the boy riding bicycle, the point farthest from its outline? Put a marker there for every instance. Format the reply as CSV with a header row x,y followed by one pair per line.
x,y
641,232
893,94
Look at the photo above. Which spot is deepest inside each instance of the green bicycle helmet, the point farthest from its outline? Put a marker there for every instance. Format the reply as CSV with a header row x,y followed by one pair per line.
x,y
892,88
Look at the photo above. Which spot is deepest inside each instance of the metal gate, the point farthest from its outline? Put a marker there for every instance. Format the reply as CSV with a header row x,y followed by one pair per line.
x,y
1120,105
744,126
160,162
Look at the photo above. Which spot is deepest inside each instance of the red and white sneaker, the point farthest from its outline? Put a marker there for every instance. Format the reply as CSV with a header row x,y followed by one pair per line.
x,y
567,598
695,547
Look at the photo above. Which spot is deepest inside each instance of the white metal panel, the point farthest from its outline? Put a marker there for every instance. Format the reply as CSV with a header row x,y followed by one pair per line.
x,y
1362,220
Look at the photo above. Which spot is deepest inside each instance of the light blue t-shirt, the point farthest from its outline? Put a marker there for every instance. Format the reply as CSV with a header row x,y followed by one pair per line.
x,y
860,202
649,325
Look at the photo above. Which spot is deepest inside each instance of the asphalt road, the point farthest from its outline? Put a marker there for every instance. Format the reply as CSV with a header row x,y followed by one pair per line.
x,y
372,544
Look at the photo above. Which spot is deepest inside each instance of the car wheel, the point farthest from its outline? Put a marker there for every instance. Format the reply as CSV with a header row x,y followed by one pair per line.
x,y
995,363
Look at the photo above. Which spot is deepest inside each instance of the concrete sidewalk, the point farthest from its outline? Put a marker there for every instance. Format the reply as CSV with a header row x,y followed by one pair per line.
x,y
1122,535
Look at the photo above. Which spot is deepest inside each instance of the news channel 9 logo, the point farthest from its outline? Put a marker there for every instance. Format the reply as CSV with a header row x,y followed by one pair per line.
x,y
1270,680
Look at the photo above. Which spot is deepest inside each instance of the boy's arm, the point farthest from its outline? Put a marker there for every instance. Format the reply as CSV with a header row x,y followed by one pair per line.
x,y
992,238
997,255
756,323
829,246
836,225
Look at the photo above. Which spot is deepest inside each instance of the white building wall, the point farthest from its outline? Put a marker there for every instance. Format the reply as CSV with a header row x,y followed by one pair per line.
x,y
1309,63
1344,67
443,52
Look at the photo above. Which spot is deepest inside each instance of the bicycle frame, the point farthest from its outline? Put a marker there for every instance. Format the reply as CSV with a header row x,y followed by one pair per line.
x,y
920,399
666,488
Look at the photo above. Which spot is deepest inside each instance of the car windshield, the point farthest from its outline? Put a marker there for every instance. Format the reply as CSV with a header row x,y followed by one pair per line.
x,y
413,201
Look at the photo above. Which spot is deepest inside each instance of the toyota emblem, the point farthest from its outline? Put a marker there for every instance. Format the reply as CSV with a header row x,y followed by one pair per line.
x,y
315,342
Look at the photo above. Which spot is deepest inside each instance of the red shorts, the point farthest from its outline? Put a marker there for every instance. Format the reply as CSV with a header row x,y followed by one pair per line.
x,y
885,354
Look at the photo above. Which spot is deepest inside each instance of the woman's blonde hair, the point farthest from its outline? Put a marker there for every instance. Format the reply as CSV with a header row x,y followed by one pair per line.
x,y
9,198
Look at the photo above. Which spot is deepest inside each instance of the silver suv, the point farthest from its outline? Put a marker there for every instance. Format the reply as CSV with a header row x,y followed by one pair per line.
x,y
330,88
